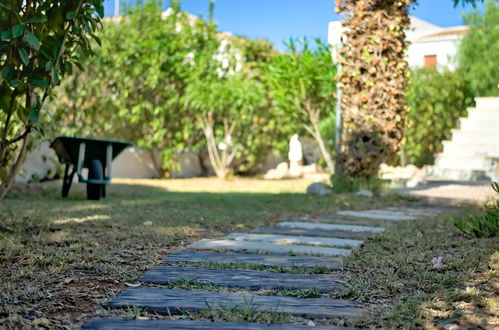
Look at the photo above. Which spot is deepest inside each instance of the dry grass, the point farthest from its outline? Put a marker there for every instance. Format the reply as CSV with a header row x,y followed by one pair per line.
x,y
60,260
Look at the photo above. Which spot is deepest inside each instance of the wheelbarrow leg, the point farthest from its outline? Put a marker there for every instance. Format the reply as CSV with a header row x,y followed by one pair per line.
x,y
68,179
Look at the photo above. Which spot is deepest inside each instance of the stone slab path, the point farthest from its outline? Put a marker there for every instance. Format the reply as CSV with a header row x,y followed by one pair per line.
x,y
245,279
118,324
333,264
175,301
305,240
378,214
312,232
309,225
263,247
273,245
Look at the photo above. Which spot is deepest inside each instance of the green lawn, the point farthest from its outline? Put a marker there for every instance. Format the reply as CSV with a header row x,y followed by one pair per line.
x,y
61,259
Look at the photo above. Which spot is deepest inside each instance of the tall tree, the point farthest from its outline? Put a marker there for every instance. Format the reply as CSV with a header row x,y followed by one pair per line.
x,y
373,80
40,40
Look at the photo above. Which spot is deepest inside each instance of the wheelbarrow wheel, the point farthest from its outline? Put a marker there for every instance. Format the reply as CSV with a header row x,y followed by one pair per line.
x,y
95,172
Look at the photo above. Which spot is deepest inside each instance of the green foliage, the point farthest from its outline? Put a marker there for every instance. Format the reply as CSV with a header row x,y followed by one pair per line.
x,y
478,55
436,101
485,225
302,83
229,110
135,86
343,183
40,41
155,76
471,2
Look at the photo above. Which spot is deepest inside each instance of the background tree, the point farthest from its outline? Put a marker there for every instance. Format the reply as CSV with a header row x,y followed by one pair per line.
x,y
436,100
302,83
137,86
40,40
228,111
478,56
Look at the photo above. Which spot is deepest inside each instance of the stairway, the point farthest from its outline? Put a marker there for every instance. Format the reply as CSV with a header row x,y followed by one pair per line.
x,y
473,152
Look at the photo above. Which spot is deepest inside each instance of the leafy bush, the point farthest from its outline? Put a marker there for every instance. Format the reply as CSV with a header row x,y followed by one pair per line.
x,y
486,225
478,55
436,101
38,40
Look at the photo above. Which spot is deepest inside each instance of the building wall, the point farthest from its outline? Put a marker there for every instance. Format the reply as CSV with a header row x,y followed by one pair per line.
x,y
445,50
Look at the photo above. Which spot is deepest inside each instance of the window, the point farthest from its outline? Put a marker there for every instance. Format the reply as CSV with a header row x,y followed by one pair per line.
x,y
430,61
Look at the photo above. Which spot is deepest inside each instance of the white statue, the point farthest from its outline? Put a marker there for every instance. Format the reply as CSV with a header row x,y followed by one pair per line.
x,y
295,154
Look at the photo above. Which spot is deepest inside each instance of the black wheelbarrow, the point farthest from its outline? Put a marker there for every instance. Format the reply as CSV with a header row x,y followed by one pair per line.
x,y
95,155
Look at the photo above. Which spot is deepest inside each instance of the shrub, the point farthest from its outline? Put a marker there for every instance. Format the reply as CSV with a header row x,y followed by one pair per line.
x,y
478,55
436,100
485,225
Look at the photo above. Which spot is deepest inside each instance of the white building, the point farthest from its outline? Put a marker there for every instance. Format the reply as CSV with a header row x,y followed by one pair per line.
x,y
431,45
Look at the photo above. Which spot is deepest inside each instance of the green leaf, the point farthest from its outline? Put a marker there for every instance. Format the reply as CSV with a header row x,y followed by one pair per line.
x,y
7,72
15,82
70,15
10,8
48,66
55,77
6,35
18,30
33,41
33,116
100,10
38,19
37,82
24,56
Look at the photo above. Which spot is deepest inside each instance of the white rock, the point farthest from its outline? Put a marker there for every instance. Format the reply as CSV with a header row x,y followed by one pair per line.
x,y
311,323
365,193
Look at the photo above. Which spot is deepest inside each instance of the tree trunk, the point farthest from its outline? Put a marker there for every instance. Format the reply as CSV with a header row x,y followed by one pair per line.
x,y
314,117
322,145
159,169
220,161
373,82
9,179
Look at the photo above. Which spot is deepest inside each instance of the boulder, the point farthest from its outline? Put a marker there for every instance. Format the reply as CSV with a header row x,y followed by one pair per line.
x,y
319,188
365,193
280,172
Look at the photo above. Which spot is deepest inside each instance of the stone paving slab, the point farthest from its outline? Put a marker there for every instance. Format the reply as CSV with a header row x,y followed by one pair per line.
x,y
233,245
378,215
312,232
118,324
251,279
178,301
424,210
283,239
334,264
308,225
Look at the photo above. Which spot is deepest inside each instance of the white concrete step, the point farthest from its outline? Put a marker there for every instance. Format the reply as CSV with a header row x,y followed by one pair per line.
x,y
453,174
483,114
475,137
467,124
470,149
464,162
487,102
